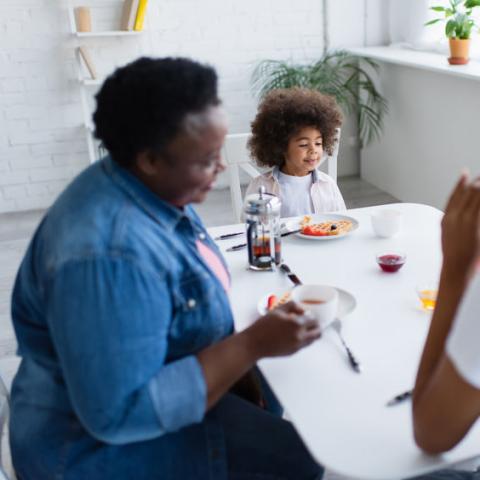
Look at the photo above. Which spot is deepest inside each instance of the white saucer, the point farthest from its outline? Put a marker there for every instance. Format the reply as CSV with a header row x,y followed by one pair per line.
x,y
346,303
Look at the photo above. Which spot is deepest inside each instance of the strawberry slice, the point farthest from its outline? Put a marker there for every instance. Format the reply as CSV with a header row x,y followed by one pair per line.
x,y
272,300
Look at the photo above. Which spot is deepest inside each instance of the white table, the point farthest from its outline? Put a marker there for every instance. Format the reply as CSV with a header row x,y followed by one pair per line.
x,y
341,415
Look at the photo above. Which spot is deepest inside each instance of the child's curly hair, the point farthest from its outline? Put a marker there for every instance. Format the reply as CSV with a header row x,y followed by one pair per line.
x,y
285,111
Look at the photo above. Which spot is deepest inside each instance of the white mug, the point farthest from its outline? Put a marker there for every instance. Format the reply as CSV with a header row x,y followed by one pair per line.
x,y
318,301
387,222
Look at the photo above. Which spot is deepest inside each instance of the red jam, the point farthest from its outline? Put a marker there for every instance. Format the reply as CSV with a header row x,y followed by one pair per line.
x,y
391,262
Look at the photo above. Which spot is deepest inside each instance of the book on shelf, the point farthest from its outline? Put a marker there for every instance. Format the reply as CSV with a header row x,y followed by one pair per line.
x,y
129,14
141,12
87,60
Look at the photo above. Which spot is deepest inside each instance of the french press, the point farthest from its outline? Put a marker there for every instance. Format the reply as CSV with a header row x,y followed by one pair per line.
x,y
262,222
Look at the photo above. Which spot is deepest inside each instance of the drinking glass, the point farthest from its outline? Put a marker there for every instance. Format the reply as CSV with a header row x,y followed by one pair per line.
x,y
427,294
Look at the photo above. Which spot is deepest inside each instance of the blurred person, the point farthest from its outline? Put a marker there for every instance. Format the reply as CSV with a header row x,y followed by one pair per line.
x,y
446,398
131,367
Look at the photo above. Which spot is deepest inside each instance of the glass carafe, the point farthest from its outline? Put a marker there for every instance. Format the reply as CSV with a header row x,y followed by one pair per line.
x,y
262,223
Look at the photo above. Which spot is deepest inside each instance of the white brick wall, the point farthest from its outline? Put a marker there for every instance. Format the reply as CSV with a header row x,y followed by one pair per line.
x,y
42,141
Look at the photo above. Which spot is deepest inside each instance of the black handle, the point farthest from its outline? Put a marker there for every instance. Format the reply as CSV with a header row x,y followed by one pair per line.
x,y
236,247
295,280
286,234
353,361
240,246
286,269
399,398
229,235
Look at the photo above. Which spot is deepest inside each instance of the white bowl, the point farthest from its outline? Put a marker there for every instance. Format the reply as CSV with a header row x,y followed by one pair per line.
x,y
387,222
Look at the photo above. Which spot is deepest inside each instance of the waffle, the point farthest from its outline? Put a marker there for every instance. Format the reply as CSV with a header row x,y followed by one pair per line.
x,y
333,227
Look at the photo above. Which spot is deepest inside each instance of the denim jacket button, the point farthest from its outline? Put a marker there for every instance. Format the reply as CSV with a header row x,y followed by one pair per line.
x,y
191,303
202,236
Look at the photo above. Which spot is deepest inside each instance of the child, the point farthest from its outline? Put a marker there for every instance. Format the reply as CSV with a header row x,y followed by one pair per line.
x,y
290,133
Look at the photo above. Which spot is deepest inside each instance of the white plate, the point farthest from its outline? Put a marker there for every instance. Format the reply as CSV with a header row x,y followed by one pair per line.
x,y
346,303
329,217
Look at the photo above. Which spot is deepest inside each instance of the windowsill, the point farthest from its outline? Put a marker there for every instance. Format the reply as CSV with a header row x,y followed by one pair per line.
x,y
433,62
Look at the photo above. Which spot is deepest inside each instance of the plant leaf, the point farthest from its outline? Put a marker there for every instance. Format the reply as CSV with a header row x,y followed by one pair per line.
x,y
471,3
339,74
450,28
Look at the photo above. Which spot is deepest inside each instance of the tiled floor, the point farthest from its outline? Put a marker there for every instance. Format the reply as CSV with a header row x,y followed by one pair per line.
x,y
16,230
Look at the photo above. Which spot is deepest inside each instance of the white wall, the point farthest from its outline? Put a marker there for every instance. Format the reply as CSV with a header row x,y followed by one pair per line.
x,y
42,140
430,134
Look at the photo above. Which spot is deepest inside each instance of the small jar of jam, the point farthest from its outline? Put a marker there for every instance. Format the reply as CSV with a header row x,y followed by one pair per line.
x,y
262,223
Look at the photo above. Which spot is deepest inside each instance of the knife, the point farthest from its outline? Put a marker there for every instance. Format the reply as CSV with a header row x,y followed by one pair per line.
x,y
399,398
240,246
286,269
228,235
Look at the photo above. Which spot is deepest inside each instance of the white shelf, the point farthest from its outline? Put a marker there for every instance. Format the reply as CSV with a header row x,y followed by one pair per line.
x,y
91,82
88,84
433,62
106,33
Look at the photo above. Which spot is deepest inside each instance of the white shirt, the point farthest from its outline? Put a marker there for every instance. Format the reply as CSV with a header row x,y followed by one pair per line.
x,y
324,192
295,195
463,342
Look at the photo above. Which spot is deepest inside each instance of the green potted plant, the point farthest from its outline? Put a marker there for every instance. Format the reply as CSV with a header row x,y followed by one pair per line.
x,y
458,27
339,74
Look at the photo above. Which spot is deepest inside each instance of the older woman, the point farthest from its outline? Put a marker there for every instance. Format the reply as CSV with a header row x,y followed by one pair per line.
x,y
121,311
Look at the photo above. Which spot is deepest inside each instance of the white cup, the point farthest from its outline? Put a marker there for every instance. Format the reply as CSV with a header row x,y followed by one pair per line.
x,y
319,301
387,222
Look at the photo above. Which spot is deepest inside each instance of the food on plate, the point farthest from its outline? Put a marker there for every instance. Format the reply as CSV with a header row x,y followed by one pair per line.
x,y
324,229
274,301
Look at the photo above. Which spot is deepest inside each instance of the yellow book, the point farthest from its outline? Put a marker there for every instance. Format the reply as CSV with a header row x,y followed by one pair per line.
x,y
142,10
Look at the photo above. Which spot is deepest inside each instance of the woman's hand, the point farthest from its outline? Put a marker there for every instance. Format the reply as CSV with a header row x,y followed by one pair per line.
x,y
282,331
461,228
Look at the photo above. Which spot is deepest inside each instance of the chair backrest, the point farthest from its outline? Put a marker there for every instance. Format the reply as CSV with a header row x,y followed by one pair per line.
x,y
332,160
4,413
237,158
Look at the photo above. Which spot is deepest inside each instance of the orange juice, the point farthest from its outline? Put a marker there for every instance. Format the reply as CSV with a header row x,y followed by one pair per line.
x,y
428,298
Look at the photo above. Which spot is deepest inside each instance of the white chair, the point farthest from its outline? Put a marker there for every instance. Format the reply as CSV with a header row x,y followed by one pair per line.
x,y
237,159
4,413
332,160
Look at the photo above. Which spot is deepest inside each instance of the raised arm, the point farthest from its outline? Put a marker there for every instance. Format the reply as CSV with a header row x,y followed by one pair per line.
x,y
445,405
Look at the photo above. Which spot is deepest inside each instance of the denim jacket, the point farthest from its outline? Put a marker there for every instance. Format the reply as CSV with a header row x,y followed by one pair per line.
x,y
111,303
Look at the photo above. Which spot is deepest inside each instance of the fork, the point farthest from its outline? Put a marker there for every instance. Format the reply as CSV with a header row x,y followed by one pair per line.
x,y
337,326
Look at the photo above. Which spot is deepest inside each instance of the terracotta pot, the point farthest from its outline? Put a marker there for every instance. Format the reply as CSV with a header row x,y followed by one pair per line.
x,y
459,50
